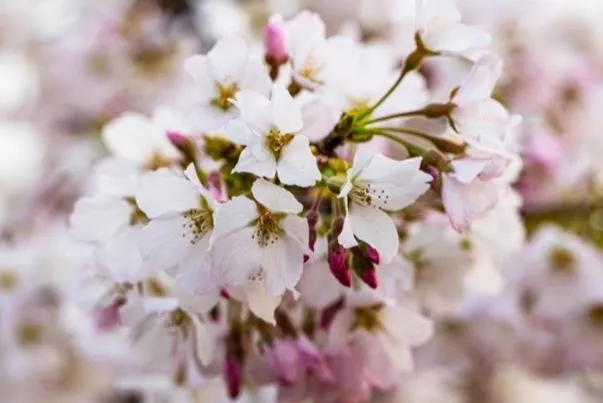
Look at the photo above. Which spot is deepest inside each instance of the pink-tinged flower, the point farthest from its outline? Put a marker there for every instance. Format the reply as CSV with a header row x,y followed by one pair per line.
x,y
374,186
285,361
313,360
275,47
467,195
544,149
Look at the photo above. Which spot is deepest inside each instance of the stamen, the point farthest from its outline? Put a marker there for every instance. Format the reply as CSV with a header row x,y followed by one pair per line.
x,y
276,141
226,92
268,228
198,223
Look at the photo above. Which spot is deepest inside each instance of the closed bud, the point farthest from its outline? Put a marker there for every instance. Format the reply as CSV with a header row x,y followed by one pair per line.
x,y
338,265
372,254
369,276
337,226
233,372
274,41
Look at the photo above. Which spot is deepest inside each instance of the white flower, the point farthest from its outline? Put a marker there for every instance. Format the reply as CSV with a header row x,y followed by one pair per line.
x,y
441,260
309,50
359,75
262,239
182,218
439,24
268,130
476,116
380,330
376,184
142,140
227,69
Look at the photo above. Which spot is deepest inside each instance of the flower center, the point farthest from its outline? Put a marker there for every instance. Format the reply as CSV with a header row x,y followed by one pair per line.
x,y
366,194
8,280
268,229
226,92
276,141
562,260
311,68
367,318
198,223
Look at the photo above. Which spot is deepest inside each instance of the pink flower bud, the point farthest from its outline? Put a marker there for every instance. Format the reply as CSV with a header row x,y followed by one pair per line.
x,y
274,41
338,265
372,254
369,276
233,373
177,139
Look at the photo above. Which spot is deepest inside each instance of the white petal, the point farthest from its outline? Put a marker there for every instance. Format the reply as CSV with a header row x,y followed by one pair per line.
x,y
162,242
482,121
235,257
239,132
481,80
228,58
362,159
319,297
297,165
347,238
236,214
130,136
164,192
191,174
249,162
282,263
120,257
456,38
296,228
464,202
255,110
199,68
393,184
275,198
194,273
99,218
405,325
256,77
260,302
466,170
205,342
206,118
286,114
376,228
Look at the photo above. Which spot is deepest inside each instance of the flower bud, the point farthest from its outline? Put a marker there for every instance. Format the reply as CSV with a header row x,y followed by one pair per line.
x,y
337,226
369,276
233,372
372,254
274,42
338,265
312,218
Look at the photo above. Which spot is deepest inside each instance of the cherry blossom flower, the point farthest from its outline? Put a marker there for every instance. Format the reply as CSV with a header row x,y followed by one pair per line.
x,y
438,22
144,141
270,240
182,217
375,185
227,69
268,129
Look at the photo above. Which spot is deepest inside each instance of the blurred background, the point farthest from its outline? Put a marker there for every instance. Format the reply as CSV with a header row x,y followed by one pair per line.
x,y
69,66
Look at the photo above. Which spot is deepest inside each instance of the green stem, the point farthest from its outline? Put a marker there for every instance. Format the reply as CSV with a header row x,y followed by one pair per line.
x,y
418,112
442,143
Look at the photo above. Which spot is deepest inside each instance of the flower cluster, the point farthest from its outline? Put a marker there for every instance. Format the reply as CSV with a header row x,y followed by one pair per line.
x,y
284,219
